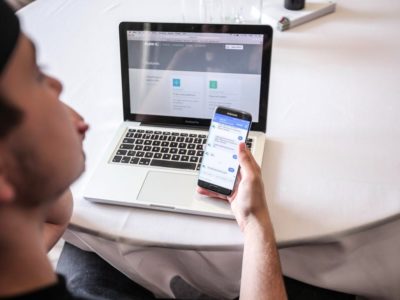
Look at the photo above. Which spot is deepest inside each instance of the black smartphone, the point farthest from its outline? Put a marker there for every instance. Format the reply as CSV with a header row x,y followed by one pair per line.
x,y
220,165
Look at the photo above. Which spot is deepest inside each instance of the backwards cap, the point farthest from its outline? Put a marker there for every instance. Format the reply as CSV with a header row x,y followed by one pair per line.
x,y
9,32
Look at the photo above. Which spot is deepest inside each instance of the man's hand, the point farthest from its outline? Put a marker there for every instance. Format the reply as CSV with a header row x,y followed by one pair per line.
x,y
248,199
261,271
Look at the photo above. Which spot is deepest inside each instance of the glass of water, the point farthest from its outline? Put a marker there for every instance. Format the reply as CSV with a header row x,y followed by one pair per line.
x,y
242,11
222,11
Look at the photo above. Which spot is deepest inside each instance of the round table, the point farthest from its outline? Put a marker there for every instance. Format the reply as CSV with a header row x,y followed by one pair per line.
x,y
331,165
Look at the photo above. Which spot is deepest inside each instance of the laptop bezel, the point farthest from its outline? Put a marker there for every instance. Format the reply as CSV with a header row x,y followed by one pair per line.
x,y
265,30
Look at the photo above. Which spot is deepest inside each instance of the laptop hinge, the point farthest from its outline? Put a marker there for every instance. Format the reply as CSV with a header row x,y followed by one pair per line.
x,y
191,127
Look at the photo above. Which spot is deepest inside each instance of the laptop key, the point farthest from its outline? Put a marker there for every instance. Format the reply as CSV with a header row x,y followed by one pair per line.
x,y
173,150
194,159
140,130
125,159
200,153
156,143
117,158
174,133
144,161
149,131
192,135
129,135
138,147
134,161
139,154
180,139
164,144
166,156
198,167
164,150
189,140
147,142
128,141
182,145
158,132
191,146
131,153
163,137
182,151
175,157
157,155
199,147
183,134
173,144
149,155
139,142
173,164
191,152
184,158
126,147
138,135
156,149
147,148
131,130
121,152
198,141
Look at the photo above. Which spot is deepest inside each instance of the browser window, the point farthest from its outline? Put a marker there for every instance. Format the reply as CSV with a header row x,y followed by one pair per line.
x,y
183,74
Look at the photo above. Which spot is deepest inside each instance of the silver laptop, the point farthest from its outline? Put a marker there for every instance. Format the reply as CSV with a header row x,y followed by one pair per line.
x,y
173,78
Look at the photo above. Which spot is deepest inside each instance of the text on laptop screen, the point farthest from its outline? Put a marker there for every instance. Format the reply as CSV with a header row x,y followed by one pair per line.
x,y
185,74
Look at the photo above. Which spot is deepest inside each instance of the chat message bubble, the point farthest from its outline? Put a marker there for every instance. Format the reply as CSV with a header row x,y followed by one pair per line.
x,y
225,143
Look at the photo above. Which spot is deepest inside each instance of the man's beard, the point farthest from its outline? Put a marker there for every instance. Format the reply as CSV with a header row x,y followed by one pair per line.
x,y
34,185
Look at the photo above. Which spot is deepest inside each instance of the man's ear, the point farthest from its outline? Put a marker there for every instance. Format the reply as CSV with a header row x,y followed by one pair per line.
x,y
7,192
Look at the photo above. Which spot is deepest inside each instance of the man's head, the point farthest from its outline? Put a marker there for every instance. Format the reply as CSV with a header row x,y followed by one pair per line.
x,y
40,147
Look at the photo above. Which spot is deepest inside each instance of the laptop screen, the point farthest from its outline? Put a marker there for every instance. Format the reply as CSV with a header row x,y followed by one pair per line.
x,y
186,74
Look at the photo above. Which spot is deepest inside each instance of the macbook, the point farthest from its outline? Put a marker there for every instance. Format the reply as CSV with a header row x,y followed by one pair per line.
x,y
173,78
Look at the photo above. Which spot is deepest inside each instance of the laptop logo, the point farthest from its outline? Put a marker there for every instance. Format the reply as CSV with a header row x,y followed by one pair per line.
x,y
192,122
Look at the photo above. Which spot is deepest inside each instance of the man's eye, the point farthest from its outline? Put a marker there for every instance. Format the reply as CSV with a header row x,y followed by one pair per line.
x,y
40,76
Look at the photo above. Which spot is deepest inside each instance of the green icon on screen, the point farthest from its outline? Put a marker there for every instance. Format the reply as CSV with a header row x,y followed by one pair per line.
x,y
213,84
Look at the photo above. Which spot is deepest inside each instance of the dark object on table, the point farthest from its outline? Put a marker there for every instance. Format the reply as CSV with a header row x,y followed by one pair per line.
x,y
294,4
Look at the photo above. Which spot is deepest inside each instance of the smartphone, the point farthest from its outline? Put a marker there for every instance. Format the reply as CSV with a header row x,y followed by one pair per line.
x,y
220,165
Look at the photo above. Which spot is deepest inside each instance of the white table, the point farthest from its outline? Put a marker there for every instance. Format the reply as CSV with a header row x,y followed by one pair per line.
x,y
331,165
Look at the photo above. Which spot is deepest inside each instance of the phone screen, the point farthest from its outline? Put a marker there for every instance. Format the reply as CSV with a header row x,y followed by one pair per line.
x,y
220,163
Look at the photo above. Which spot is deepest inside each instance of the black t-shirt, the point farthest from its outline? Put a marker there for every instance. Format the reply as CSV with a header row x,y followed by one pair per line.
x,y
57,291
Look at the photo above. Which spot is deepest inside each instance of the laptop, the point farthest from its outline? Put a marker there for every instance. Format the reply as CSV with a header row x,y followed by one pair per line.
x,y
173,78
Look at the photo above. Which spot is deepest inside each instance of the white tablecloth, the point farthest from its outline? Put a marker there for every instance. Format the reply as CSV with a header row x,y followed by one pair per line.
x,y
331,165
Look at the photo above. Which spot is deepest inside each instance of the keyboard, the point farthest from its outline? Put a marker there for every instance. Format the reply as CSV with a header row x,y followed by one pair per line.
x,y
167,149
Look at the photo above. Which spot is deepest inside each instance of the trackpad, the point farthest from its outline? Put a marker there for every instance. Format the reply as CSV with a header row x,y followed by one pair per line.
x,y
168,188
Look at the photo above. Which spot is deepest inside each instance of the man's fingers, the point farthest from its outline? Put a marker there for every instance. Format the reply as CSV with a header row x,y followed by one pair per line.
x,y
209,193
245,159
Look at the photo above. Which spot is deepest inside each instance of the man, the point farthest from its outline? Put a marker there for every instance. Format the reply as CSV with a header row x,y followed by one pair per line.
x,y
41,155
